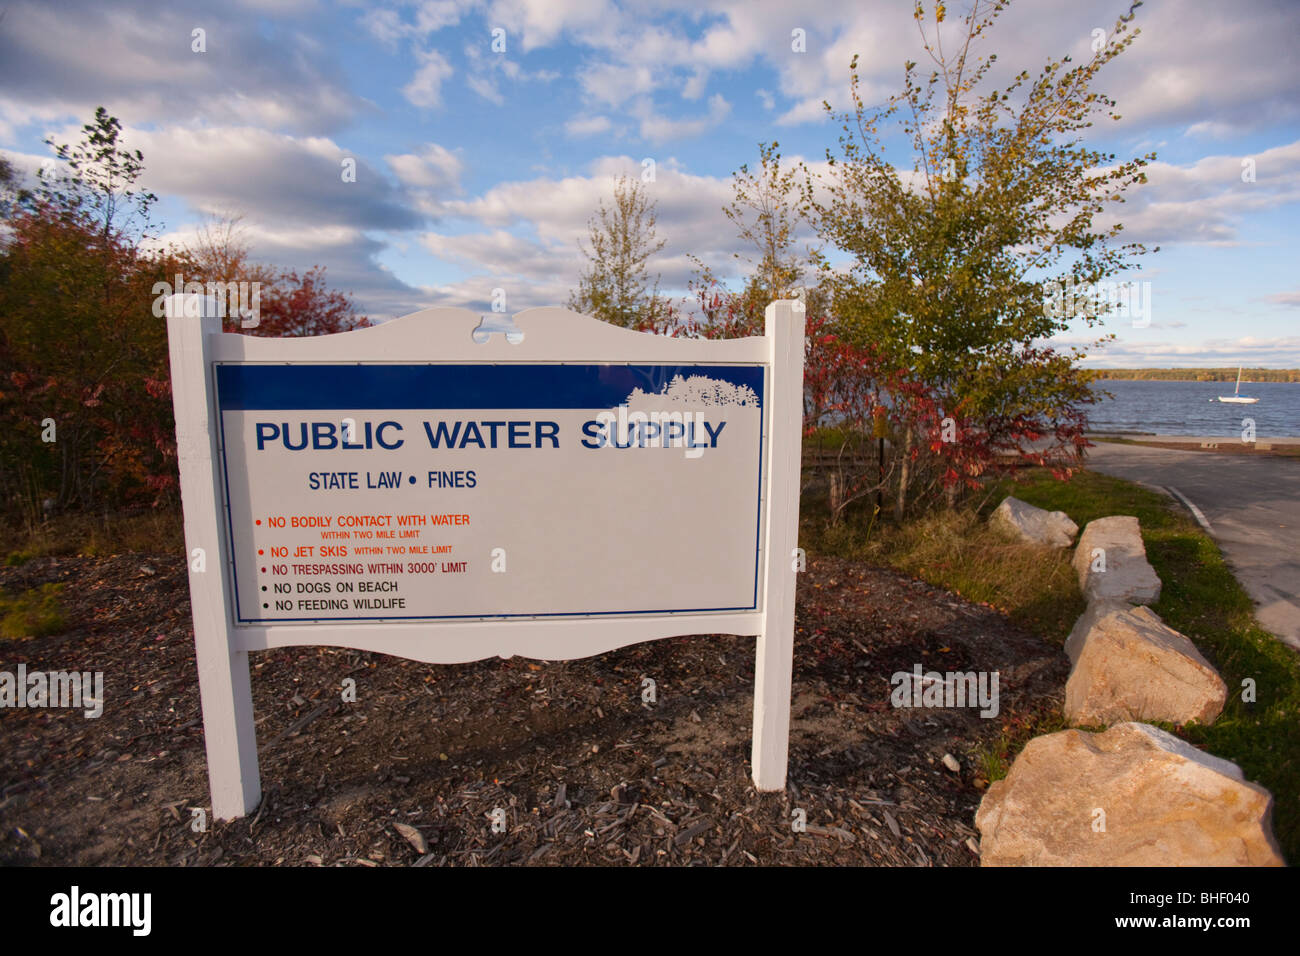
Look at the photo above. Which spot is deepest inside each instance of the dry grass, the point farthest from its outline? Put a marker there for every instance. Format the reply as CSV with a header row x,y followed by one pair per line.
x,y
94,535
961,551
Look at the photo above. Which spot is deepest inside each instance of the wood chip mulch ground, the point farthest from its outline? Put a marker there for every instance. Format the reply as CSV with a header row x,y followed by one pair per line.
x,y
584,772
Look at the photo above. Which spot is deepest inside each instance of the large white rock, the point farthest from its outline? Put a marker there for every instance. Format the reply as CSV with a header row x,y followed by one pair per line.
x,y
1035,525
1130,665
1094,612
1132,796
1111,562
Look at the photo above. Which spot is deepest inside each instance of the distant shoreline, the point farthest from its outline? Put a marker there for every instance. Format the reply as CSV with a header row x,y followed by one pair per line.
x,y
1290,375
1289,444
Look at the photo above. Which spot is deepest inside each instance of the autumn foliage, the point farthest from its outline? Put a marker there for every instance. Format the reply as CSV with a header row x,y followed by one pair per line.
x,y
869,403
85,390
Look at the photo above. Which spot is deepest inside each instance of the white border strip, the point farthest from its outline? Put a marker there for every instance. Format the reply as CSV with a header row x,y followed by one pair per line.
x,y
1203,521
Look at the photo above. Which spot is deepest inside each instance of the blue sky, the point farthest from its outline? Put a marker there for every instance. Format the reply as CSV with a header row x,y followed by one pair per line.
x,y
478,169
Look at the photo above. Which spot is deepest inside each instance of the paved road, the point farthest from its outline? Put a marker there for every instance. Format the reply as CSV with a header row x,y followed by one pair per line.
x,y
1253,507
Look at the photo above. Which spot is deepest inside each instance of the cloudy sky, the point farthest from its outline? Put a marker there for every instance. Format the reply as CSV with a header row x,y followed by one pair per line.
x,y
478,168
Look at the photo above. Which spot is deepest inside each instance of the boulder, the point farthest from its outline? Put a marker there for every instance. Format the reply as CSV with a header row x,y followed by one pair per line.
x,y
1086,622
1035,525
1132,796
1111,562
1130,665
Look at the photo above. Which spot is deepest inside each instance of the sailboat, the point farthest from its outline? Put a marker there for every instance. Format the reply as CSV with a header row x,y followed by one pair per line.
x,y
1236,397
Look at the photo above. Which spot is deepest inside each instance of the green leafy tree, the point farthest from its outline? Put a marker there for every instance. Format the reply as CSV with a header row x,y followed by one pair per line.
x,y
949,258
97,180
616,286
766,212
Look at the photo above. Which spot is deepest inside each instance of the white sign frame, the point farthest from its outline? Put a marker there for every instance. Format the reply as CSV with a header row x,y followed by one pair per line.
x,y
196,342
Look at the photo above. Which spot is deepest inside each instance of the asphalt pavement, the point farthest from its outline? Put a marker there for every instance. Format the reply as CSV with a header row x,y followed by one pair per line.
x,y
1252,506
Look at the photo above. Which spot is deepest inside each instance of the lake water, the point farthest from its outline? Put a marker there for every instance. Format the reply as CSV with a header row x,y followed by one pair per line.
x,y
1192,408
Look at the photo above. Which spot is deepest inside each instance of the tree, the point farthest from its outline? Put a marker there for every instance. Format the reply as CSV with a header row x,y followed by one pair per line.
x,y
296,305
84,375
78,342
220,252
11,192
615,286
288,304
100,178
79,349
950,258
766,213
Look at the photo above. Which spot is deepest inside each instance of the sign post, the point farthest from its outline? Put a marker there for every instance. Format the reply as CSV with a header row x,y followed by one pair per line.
x,y
446,491
773,669
226,694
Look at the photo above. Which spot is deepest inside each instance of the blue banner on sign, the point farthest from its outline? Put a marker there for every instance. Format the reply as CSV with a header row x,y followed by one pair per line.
x,y
247,387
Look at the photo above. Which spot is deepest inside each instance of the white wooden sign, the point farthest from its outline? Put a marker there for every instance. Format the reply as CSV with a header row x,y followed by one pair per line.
x,y
435,490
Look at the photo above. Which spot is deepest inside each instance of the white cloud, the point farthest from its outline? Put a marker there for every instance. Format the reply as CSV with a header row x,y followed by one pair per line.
x,y
267,107
425,88
1210,129
1206,201
59,61
587,125
732,43
387,25
484,87
658,129
1285,298
1276,352
270,177
1233,71
519,257
612,84
541,22
436,168
695,85
809,110
434,15
484,69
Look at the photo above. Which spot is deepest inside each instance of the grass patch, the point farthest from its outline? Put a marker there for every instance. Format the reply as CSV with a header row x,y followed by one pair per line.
x,y
34,613
94,535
